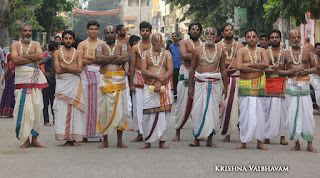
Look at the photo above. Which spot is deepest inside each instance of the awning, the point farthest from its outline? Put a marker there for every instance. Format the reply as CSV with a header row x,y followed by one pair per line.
x,y
134,18
96,13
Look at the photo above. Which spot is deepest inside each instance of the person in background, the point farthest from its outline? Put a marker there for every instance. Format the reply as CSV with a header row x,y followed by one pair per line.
x,y
264,41
174,49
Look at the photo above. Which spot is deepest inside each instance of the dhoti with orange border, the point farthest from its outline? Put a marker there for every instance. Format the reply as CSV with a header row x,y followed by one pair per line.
x,y
137,101
68,107
275,106
113,107
156,113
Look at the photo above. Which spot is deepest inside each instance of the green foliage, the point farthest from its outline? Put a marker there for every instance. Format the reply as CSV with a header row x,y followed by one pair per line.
x,y
80,22
294,10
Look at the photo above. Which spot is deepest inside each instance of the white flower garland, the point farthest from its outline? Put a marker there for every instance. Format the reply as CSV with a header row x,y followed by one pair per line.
x,y
255,54
272,57
214,55
64,60
95,46
193,46
154,61
111,51
225,49
28,50
300,56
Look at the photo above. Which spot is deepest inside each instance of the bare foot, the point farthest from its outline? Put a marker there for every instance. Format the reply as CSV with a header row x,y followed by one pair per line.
x,y
195,143
241,146
226,138
211,144
75,143
296,147
266,141
146,145
138,138
176,138
103,145
84,140
122,145
162,145
35,143
311,149
68,143
261,146
283,141
26,144
47,124
131,129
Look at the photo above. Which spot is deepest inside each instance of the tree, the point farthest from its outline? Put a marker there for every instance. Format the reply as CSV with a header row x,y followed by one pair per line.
x,y
216,12
293,10
97,5
47,16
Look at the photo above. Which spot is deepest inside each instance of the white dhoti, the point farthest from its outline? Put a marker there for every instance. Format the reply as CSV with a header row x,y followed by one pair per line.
x,y
315,82
156,113
137,101
205,110
231,104
300,110
68,107
251,92
28,110
275,110
128,97
113,107
184,104
90,79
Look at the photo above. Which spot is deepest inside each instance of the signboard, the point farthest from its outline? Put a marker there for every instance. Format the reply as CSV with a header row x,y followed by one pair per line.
x,y
241,19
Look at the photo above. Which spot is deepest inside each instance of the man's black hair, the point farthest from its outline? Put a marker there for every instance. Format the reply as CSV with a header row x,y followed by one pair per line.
x,y
275,31
52,45
263,35
224,26
70,32
250,30
197,24
119,27
317,44
145,24
176,33
93,23
132,39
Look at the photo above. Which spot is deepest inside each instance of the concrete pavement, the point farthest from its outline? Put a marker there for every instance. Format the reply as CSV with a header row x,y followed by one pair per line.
x,y
178,161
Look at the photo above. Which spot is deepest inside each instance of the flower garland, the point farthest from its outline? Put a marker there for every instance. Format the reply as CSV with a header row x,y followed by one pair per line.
x,y
272,57
214,55
225,49
95,46
111,51
255,54
193,46
64,60
154,61
300,56
28,50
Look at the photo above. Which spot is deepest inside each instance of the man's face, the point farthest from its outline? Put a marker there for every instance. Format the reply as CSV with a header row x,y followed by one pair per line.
x,y
264,42
228,32
122,32
145,33
93,31
295,38
58,40
110,34
26,33
156,42
194,32
252,38
317,50
210,35
175,37
68,40
275,39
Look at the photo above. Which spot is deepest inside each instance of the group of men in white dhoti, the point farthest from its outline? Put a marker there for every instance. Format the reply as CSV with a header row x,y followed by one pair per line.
x,y
221,86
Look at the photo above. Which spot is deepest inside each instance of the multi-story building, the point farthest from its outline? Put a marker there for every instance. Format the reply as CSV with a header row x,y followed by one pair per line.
x,y
132,13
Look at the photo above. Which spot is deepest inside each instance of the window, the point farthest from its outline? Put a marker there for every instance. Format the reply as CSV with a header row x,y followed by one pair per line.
x,y
129,2
137,2
147,2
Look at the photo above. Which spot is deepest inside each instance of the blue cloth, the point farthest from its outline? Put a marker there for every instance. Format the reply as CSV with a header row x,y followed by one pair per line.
x,y
174,49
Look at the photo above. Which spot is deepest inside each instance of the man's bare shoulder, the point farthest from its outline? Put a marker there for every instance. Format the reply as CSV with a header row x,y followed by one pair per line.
x,y
82,43
36,43
242,50
219,44
100,42
240,45
57,52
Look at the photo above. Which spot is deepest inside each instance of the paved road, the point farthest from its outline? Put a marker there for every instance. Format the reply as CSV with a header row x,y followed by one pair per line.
x,y
178,161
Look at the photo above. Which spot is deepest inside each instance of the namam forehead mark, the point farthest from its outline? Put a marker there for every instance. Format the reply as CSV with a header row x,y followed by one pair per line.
x,y
110,28
294,33
229,27
210,30
195,27
274,34
157,37
68,36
